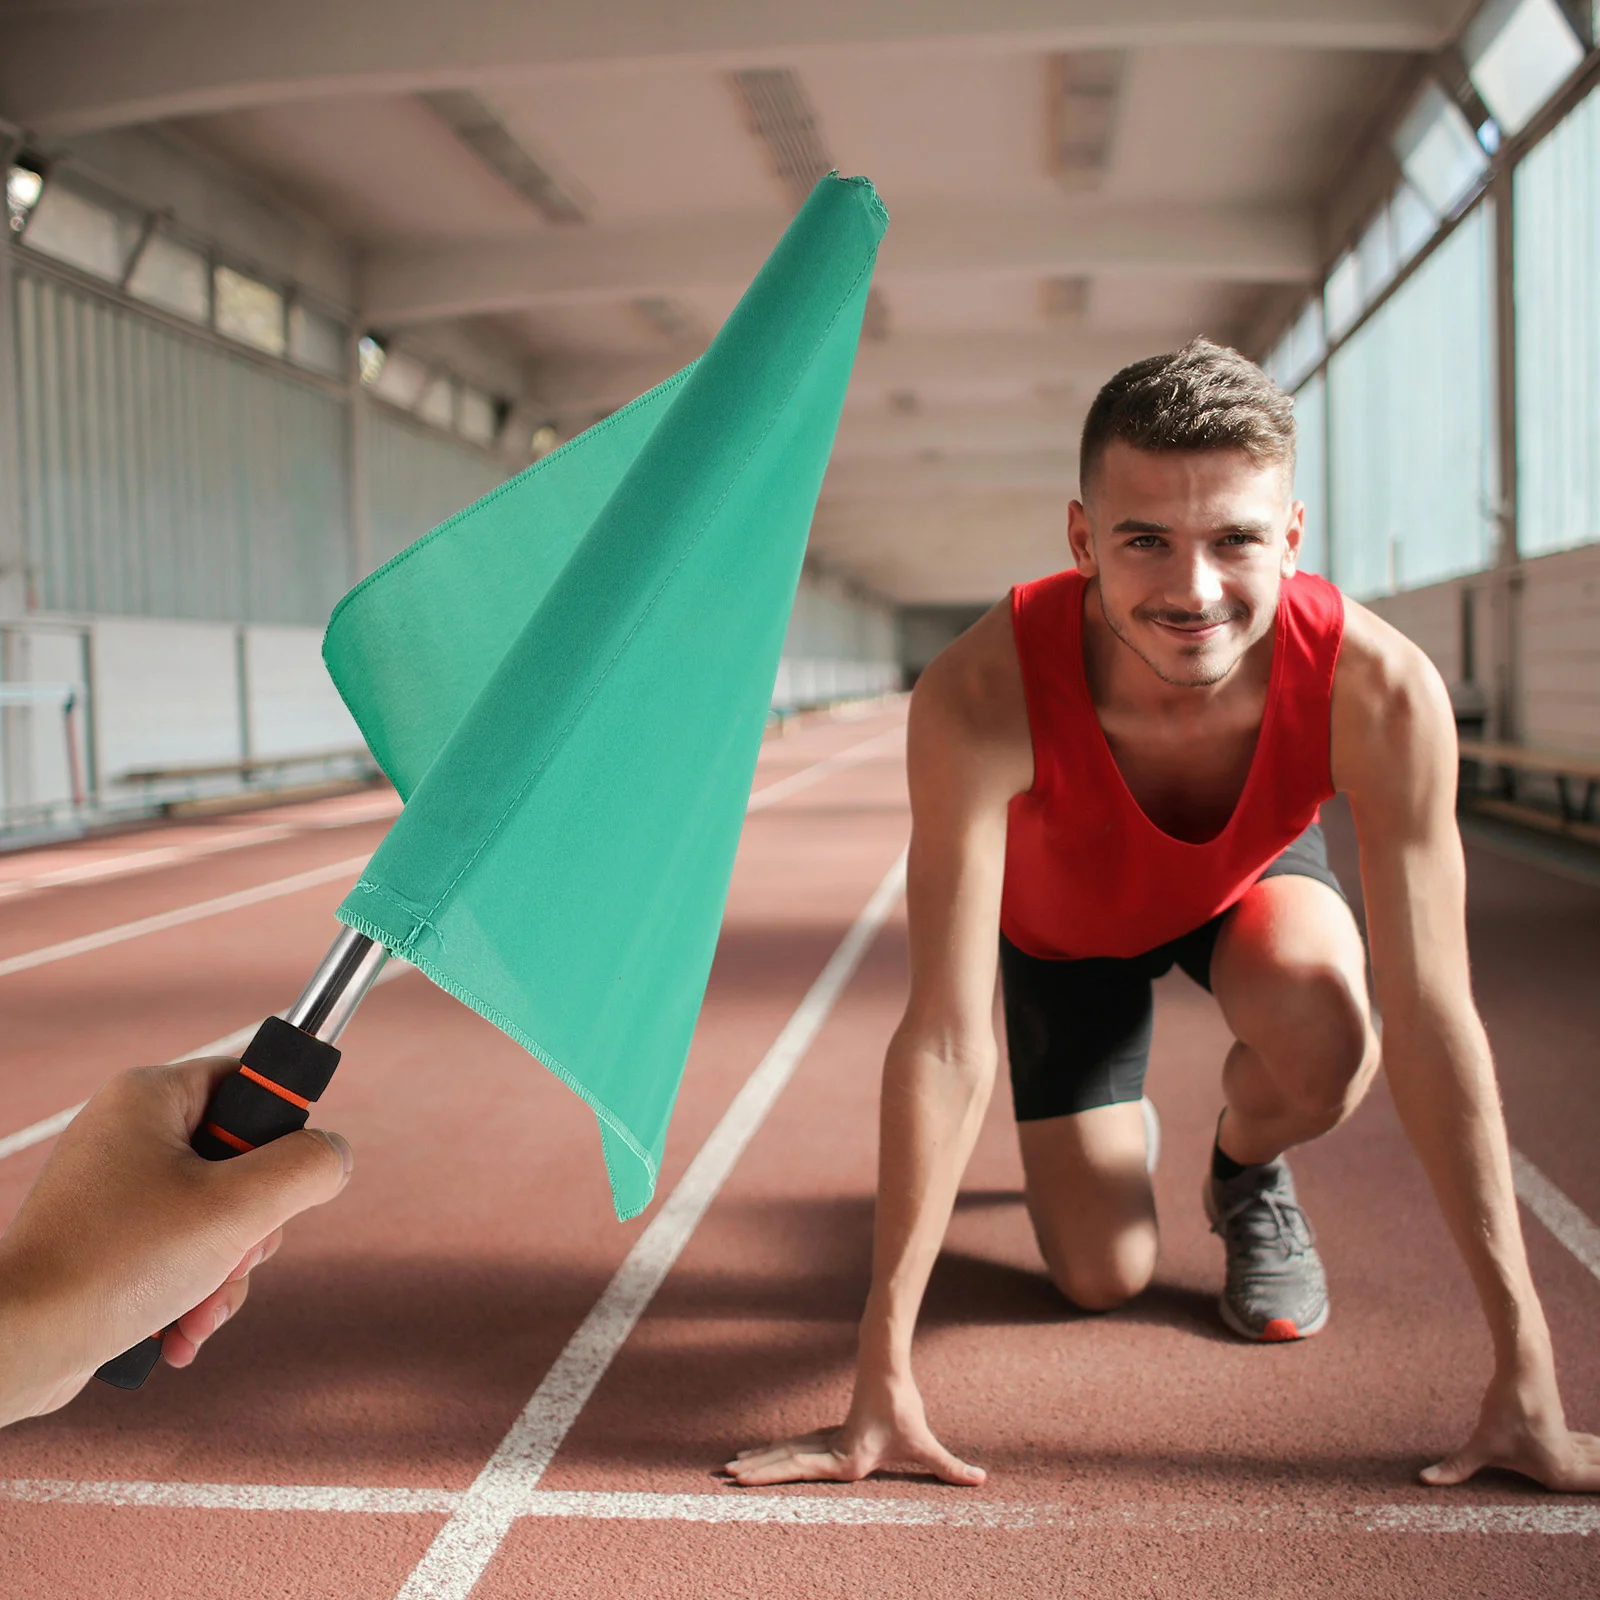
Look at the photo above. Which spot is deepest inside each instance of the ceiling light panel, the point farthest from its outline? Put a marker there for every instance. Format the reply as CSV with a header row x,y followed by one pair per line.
x,y
1082,97
476,124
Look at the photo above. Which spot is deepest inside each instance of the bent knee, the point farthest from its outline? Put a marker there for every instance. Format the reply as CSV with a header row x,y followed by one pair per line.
x,y
1104,1282
1325,1056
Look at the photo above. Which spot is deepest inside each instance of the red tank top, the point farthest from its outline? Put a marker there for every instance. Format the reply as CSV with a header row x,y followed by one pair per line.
x,y
1087,872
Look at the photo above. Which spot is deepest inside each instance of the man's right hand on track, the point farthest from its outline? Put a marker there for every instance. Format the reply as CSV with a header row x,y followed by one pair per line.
x,y
886,1428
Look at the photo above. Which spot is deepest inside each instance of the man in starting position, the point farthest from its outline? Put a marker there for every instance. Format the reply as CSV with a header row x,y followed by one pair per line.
x,y
1118,770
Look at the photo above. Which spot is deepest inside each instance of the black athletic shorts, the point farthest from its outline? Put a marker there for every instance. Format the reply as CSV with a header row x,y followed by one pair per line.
x,y
1078,1032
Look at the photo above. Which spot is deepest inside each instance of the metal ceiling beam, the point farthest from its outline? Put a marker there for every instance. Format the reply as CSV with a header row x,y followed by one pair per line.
x,y
1037,238
68,69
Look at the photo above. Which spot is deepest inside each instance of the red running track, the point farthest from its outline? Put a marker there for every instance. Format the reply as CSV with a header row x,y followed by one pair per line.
x,y
348,1436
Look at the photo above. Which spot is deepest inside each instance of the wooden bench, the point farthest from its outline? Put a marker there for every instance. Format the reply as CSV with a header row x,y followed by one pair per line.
x,y
1574,776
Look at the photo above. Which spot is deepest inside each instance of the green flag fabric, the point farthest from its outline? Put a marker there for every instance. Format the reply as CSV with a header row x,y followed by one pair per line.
x,y
568,682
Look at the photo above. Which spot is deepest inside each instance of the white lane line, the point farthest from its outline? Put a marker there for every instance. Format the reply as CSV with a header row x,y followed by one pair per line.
x,y
228,1045
1556,1212
176,919
853,756
1444,1516
137,861
229,1496
49,1127
466,1544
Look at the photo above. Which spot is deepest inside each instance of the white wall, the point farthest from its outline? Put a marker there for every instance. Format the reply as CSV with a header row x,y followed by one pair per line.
x,y
292,706
161,694
1551,685
165,694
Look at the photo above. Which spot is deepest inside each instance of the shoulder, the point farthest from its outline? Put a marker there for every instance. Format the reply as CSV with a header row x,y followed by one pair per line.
x,y
969,708
1392,719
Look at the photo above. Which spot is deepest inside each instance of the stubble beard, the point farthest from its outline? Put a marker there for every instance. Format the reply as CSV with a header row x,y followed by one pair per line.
x,y
1206,675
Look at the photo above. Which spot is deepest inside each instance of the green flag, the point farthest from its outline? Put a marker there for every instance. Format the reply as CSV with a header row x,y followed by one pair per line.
x,y
568,682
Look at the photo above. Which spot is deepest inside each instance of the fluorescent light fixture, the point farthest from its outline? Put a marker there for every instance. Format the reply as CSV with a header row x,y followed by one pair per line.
x,y
24,185
371,353
1518,53
1438,151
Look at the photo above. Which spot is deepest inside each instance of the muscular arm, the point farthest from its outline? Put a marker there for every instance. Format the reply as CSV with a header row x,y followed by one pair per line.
x,y
968,751
1395,756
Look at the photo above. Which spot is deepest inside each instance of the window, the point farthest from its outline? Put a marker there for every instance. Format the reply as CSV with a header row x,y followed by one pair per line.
x,y
1307,346
1438,151
1518,53
438,403
400,380
1412,222
92,235
1413,464
315,341
1375,256
1311,472
1557,245
1342,294
173,276
249,311
475,417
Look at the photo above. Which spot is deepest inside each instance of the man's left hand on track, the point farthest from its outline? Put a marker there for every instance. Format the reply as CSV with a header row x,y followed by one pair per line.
x,y
127,1231
1522,1428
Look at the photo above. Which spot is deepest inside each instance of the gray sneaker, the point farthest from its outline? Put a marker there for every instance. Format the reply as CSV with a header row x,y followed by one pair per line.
x,y
1275,1289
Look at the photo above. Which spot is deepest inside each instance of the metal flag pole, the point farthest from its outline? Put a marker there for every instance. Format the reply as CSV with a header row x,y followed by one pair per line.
x,y
283,1069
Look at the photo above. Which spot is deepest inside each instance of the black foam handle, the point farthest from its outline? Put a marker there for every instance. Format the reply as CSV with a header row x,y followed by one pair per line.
x,y
281,1071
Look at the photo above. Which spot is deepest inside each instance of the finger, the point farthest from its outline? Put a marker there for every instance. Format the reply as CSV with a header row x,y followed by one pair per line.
x,y
270,1185
264,1251
807,1467
197,1325
951,1468
820,1440
192,1084
1455,1468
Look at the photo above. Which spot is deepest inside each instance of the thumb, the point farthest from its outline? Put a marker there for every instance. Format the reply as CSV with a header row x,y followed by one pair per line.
x,y
1455,1468
281,1179
953,1469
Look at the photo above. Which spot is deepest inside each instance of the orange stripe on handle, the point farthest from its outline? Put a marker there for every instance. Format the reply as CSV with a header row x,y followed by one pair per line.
x,y
277,1089
227,1138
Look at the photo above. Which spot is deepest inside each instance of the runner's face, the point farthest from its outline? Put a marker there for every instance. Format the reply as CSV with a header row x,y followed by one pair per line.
x,y
1190,548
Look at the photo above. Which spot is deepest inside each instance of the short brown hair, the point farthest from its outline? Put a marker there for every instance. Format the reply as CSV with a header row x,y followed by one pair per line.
x,y
1202,397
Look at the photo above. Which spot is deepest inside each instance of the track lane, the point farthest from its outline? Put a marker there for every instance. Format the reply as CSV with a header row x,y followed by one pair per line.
x,y
399,1332
501,1305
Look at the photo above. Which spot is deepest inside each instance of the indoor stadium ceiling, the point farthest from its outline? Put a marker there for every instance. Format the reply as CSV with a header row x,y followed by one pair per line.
x,y
1073,184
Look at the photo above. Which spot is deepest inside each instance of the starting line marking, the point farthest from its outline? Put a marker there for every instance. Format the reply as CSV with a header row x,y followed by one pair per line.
x,y
828,1510
465,1545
